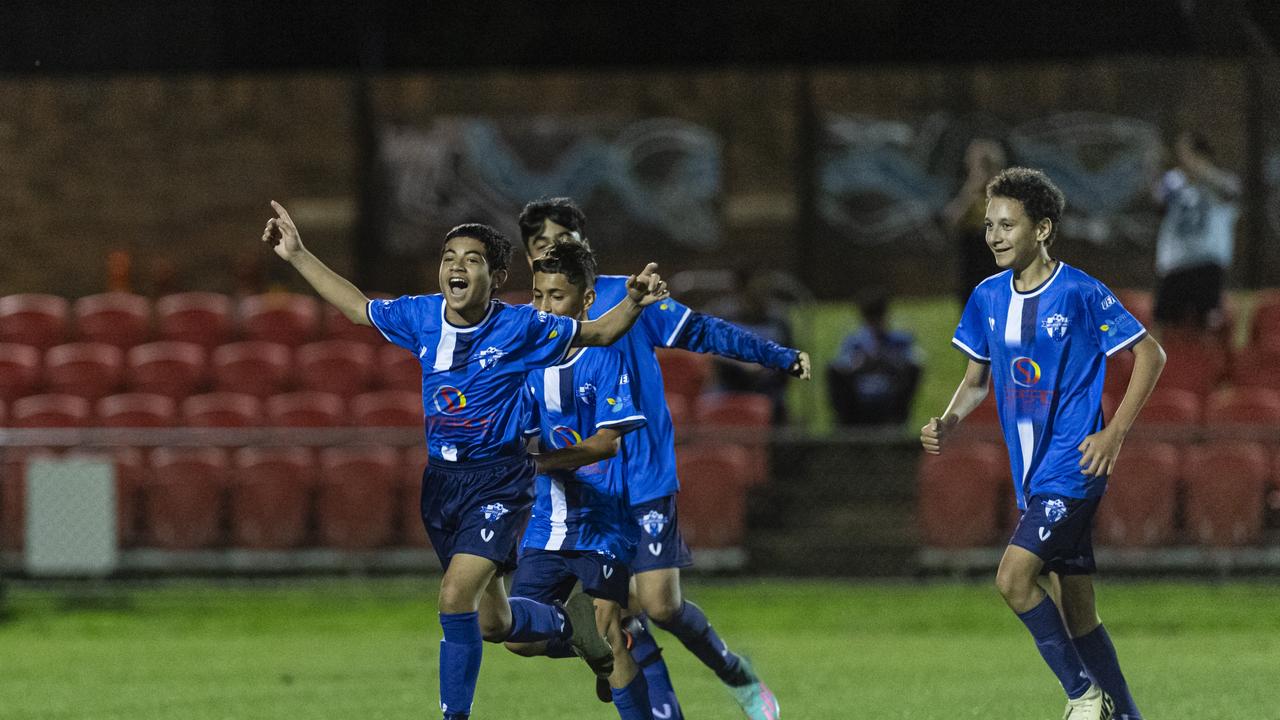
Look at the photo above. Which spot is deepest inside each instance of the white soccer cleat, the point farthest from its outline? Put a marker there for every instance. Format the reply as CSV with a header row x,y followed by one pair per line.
x,y
1093,705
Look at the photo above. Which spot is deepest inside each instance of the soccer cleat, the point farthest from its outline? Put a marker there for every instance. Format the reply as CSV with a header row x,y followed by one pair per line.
x,y
587,641
755,698
1093,705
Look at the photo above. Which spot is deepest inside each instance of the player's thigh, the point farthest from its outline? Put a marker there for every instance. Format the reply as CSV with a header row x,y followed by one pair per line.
x,y
1076,598
464,582
659,592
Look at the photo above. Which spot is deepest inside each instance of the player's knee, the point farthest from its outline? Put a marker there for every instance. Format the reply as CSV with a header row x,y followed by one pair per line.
x,y
1015,589
456,599
494,630
662,608
521,649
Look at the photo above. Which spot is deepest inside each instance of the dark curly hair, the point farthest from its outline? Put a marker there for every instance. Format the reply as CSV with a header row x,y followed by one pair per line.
x,y
497,248
559,210
1040,198
574,260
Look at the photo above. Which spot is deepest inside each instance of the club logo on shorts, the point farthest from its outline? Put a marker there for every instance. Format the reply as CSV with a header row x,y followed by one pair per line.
x,y
493,511
653,522
566,436
486,534
1043,533
1025,371
489,357
450,400
655,549
607,572
1055,510
1056,325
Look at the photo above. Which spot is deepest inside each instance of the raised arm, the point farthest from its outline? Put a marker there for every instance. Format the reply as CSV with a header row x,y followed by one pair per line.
x,y
1099,450
283,235
603,445
969,395
642,290
710,334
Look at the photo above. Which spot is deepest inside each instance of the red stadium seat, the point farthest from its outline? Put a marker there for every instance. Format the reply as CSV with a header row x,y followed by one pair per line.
x,y
684,373
13,494
1266,319
270,497
357,496
681,412
279,317
116,318
137,410
33,319
1226,485
19,370
184,497
1139,303
4,414
90,370
172,368
412,533
222,410
388,408
198,317
1119,370
713,499
1196,362
399,369
306,408
256,368
1171,407
748,416
959,503
343,367
1254,367
338,327
1258,407
49,411
1140,507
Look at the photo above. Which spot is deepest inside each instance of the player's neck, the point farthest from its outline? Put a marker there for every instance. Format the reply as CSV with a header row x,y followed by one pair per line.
x,y
1035,273
466,316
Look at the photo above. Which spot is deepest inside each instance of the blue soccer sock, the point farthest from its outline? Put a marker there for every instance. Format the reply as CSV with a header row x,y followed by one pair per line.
x,y
647,654
1099,657
1055,646
532,621
460,653
693,629
632,701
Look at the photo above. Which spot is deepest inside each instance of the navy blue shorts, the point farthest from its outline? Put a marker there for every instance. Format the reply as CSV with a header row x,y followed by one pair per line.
x,y
661,544
546,575
1059,530
477,508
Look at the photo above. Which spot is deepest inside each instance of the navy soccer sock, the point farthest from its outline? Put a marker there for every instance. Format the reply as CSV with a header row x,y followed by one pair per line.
x,y
647,654
1055,646
460,653
632,701
693,629
1099,657
560,648
532,621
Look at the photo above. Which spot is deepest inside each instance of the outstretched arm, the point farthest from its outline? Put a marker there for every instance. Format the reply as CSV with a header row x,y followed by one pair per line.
x,y
1099,450
709,334
969,395
602,445
642,290
283,235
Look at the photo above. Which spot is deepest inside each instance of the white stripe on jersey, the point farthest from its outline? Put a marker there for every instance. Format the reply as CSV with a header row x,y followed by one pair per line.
x,y
444,348
551,389
1013,322
1027,444
559,511
679,326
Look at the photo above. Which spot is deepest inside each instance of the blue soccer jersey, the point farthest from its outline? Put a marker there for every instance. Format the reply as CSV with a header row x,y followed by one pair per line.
x,y
585,509
1047,349
473,377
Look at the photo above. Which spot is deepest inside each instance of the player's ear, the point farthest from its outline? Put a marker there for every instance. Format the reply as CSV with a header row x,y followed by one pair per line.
x,y
588,298
1044,229
499,279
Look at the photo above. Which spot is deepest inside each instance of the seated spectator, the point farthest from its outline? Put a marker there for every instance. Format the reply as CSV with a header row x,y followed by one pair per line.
x,y
873,379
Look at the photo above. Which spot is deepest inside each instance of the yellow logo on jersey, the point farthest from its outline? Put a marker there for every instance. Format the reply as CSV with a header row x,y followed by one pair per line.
x,y
553,333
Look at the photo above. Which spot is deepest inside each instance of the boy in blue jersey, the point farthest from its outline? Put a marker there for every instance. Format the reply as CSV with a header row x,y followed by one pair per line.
x,y
649,463
475,353
1042,331
580,528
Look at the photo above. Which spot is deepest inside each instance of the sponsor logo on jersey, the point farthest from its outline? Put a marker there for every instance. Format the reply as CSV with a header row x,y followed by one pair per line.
x,y
566,436
1025,371
1055,510
615,406
493,511
449,400
653,522
489,357
1056,325
1108,301
624,379
1110,327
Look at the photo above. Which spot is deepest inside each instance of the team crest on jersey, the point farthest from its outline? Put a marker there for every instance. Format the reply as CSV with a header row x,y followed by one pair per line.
x,y
1055,510
493,511
489,357
1056,325
653,522
542,316
587,393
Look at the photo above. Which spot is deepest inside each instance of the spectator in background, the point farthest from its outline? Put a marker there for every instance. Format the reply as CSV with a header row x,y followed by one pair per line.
x,y
965,214
873,379
1196,237
753,309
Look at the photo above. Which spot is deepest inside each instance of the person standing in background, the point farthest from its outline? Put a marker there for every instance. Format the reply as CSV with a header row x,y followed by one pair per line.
x,y
965,215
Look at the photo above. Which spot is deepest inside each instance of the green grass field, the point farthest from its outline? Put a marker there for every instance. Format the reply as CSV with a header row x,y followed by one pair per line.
x,y
350,649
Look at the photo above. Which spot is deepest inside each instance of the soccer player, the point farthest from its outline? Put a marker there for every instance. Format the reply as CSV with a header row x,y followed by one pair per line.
x,y
650,467
581,527
1043,331
476,492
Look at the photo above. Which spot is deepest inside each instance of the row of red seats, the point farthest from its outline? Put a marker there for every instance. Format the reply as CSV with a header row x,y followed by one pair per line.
x,y
1175,407
1218,489
350,498
207,319
178,369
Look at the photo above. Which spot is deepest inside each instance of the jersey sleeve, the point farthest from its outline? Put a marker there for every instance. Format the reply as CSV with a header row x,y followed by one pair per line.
x,y
399,320
544,338
615,408
708,334
663,321
970,337
1111,325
